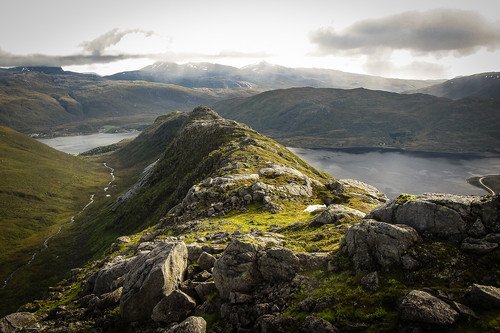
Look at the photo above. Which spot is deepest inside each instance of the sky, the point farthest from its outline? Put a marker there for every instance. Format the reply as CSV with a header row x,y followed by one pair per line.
x,y
424,39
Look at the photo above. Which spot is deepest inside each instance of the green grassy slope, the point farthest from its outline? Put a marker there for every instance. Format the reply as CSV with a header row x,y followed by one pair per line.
x,y
40,189
486,85
333,118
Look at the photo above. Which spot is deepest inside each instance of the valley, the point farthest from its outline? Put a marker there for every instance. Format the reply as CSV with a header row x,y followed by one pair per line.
x,y
216,189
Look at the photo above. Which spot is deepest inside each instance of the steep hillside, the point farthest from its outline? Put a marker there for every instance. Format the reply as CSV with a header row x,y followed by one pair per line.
x,y
51,101
40,189
263,76
485,85
246,237
333,118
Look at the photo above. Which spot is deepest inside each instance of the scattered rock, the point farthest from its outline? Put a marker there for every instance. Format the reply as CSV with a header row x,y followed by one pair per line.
x,y
152,276
485,296
334,213
370,281
190,325
372,244
478,246
317,325
477,229
422,307
206,261
236,269
278,264
16,321
111,276
122,240
204,289
173,308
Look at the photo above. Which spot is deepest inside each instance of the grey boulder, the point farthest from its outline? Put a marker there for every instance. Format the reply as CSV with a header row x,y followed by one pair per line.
x,y
152,276
419,306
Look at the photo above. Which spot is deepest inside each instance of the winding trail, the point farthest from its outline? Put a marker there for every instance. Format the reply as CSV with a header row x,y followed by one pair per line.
x,y
486,186
72,220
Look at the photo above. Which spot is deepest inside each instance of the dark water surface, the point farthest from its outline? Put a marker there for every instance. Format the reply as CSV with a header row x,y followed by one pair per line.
x,y
396,172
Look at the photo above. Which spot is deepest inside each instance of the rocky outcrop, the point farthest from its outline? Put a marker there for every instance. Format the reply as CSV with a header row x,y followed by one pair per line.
x,y
219,195
152,276
16,321
450,216
419,306
174,307
485,296
190,325
374,245
237,270
335,213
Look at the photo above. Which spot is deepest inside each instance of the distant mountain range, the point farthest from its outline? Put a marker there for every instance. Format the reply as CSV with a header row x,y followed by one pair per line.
x,y
263,76
336,118
49,99
486,85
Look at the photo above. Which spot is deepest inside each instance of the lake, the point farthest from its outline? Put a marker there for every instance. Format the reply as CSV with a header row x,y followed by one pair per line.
x,y
396,172
392,172
79,143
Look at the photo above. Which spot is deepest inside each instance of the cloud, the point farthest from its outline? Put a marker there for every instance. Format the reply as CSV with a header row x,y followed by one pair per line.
x,y
110,38
10,60
417,69
437,32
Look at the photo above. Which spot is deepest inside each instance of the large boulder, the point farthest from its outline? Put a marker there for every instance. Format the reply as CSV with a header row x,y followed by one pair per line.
x,y
111,276
237,269
278,264
374,245
190,325
486,296
431,214
173,308
16,321
153,275
422,307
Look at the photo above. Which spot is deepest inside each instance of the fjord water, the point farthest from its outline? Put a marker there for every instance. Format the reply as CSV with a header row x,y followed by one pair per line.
x,y
392,172
79,143
396,172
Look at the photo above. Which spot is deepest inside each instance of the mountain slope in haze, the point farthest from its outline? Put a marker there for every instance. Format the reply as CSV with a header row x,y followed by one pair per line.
x,y
50,100
241,242
484,85
334,118
263,76
40,189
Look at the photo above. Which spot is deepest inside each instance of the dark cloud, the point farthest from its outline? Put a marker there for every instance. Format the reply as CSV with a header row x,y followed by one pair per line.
x,y
110,38
92,53
437,32
10,60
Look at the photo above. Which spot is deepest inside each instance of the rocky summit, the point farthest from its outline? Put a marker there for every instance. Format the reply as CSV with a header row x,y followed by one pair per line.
x,y
246,237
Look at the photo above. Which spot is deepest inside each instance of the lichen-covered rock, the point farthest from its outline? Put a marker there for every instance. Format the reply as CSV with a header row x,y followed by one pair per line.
x,y
334,213
422,307
190,325
16,321
278,264
372,245
206,261
152,276
173,308
370,281
237,269
111,276
478,246
317,325
486,296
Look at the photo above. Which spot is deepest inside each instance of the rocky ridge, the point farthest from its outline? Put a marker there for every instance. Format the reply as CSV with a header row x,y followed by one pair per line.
x,y
238,251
